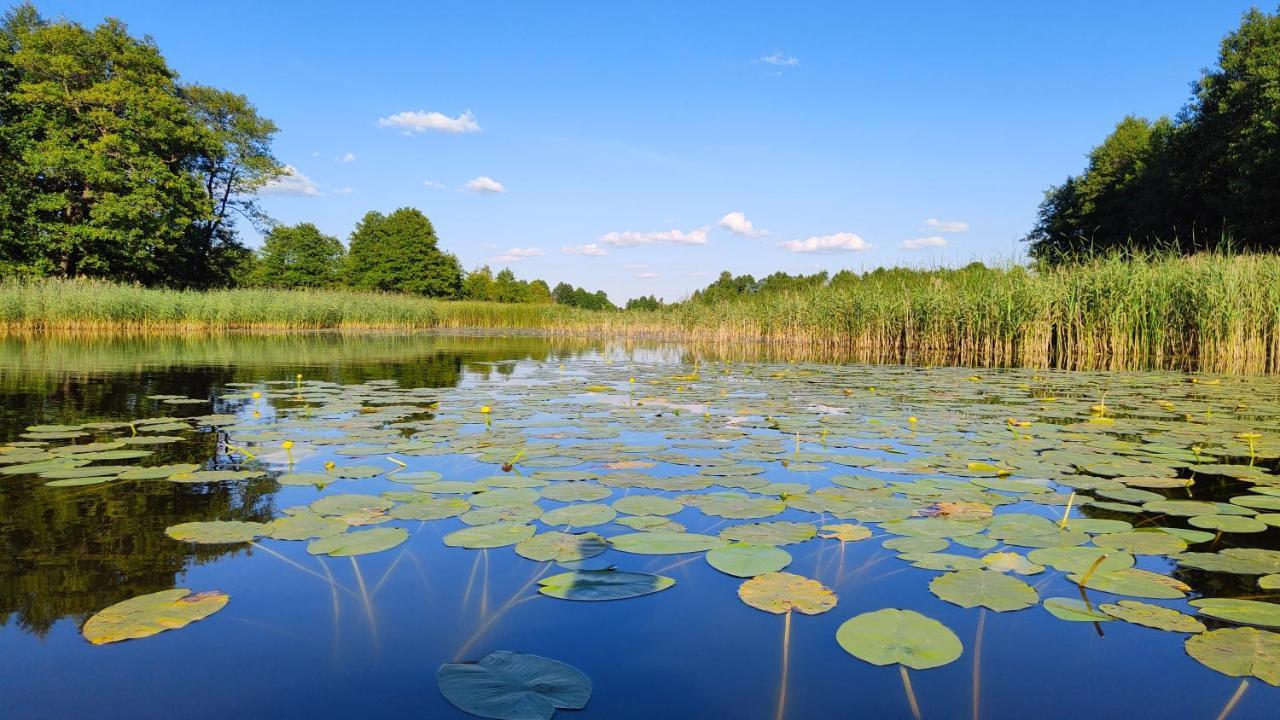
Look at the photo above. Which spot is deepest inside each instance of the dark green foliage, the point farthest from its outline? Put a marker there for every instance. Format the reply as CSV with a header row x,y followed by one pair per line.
x,y
1205,181
398,252
110,168
644,302
298,257
566,294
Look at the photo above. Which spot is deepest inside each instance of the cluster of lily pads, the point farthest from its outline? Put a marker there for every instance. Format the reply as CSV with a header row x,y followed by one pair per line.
x,y
985,478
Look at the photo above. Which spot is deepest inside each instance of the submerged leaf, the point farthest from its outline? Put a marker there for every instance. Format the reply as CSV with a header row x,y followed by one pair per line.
x,y
599,585
507,685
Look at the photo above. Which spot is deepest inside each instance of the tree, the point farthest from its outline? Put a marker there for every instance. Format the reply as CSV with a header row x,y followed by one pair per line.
x,y
233,160
1202,181
539,293
109,167
507,289
101,183
478,284
398,252
643,302
562,294
298,257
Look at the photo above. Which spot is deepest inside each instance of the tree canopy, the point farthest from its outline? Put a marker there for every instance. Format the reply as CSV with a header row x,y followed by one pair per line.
x,y
111,167
398,252
1204,180
298,256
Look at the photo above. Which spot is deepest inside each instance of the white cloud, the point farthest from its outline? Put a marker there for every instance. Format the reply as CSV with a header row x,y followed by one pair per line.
x,y
346,158
778,58
738,224
485,185
591,249
516,254
646,275
435,185
422,121
921,243
292,183
839,242
629,238
343,191
945,226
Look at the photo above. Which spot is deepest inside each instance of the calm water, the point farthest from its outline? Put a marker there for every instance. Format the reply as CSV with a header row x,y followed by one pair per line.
x,y
307,636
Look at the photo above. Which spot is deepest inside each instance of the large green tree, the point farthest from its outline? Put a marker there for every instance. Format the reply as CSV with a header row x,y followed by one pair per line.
x,y
1206,180
298,256
398,252
109,167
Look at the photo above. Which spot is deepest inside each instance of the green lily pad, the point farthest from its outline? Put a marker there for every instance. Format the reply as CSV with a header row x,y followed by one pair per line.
x,y
304,526
985,588
1152,616
1074,610
1135,582
216,532
1011,562
664,543
1142,543
1245,612
905,637
600,585
358,542
561,547
507,685
1227,523
769,533
746,560
350,503
582,515
845,532
430,509
489,536
1239,652
647,505
146,615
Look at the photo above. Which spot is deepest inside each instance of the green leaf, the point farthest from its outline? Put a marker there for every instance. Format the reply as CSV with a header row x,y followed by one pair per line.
x,y
1247,612
1075,610
745,560
985,588
779,592
1239,652
216,531
146,615
561,547
489,536
1152,616
513,686
600,585
358,542
661,542
905,637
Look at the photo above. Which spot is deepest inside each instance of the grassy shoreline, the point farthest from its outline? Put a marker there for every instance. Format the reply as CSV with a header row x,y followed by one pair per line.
x,y
1207,312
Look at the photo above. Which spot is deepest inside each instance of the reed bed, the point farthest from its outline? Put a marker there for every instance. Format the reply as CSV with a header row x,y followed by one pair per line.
x,y
1208,312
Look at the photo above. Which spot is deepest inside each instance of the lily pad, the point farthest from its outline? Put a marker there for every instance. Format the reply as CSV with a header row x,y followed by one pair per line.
x,y
216,532
905,637
1245,612
985,588
507,685
600,585
1239,652
146,615
746,560
664,543
561,547
358,542
489,536
1152,616
581,515
1074,610
779,592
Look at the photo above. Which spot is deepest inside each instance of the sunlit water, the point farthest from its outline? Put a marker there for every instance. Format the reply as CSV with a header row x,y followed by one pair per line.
x,y
307,636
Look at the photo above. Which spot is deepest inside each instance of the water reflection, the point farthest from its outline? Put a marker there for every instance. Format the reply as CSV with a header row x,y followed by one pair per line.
x,y
69,552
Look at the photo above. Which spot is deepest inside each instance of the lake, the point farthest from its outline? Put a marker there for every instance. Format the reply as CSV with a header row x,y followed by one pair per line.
x,y
1096,542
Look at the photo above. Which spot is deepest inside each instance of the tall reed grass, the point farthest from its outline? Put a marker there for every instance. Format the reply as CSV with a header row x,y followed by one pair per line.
x,y
1209,312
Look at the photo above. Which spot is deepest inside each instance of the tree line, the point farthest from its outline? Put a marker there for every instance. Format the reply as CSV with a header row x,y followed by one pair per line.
x,y
111,167
1207,179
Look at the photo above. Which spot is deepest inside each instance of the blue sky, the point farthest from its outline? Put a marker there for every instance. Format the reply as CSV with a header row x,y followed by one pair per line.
x,y
610,144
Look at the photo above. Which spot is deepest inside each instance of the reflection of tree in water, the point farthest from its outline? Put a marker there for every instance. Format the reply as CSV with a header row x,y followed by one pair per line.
x,y
69,552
